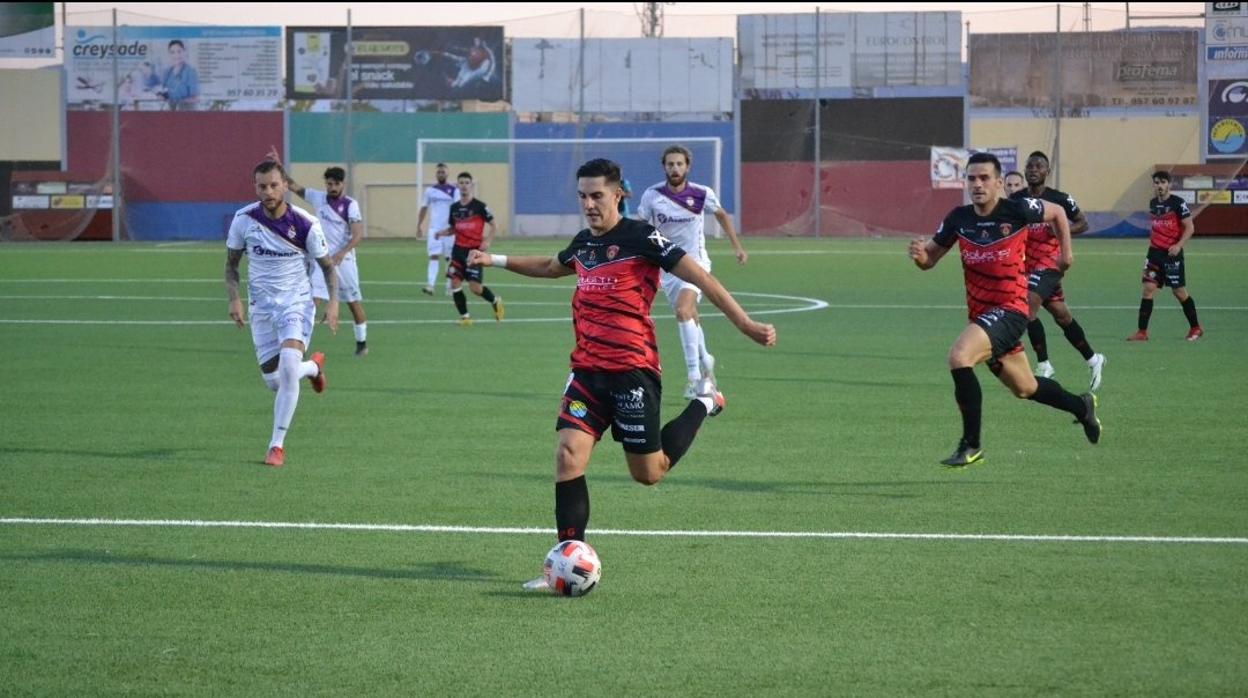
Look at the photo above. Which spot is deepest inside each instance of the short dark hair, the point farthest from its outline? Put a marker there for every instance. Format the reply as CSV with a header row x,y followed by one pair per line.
x,y
440,164
462,175
1014,172
979,158
676,149
600,167
268,166
1038,154
335,173
1161,175
176,42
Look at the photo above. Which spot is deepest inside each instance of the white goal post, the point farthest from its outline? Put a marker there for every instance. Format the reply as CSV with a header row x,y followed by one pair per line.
x,y
529,183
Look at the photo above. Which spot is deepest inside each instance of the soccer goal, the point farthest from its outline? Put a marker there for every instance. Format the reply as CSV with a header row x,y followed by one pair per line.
x,y
530,183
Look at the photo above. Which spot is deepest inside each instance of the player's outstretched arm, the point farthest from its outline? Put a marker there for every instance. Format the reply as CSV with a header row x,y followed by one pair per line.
x,y
331,283
291,184
1056,216
926,253
232,259
530,265
688,270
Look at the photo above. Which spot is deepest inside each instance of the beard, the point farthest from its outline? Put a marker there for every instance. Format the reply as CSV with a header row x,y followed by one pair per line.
x,y
675,180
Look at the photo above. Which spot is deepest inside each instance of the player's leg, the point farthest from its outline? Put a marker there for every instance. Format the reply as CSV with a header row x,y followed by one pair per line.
x,y
584,413
1153,277
455,275
970,348
475,276
294,329
349,292
1176,279
433,246
683,299
1056,305
448,247
1035,328
1011,369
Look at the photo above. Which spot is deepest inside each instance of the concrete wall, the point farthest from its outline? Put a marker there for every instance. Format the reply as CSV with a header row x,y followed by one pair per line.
x,y
30,109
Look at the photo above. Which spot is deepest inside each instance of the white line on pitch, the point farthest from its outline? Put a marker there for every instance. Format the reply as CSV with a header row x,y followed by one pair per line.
x,y
431,528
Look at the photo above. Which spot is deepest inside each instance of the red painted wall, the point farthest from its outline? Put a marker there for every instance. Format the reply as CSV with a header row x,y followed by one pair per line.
x,y
859,198
177,156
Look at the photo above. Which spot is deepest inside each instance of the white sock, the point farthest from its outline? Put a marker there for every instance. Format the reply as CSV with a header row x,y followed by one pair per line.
x,y
431,275
270,380
289,370
361,332
689,334
308,369
708,403
703,354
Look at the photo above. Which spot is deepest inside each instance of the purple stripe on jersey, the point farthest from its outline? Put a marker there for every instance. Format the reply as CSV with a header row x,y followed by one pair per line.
x,y
341,206
692,198
291,227
448,189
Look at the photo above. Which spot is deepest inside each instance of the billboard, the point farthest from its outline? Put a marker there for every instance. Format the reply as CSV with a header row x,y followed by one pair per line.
x,y
623,75
1136,69
425,63
27,30
173,68
855,50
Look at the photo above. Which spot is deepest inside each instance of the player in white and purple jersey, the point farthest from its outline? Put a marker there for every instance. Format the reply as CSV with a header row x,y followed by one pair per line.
x,y
280,241
436,202
343,226
676,208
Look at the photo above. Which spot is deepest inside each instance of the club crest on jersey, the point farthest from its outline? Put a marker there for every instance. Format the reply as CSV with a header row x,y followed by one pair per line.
x,y
291,233
612,251
657,238
1006,229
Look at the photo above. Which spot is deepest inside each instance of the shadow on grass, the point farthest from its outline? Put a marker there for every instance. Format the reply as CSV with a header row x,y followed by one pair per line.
x,y
153,454
799,487
427,571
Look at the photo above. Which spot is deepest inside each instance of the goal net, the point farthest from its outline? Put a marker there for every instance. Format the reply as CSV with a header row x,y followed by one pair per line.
x,y
530,183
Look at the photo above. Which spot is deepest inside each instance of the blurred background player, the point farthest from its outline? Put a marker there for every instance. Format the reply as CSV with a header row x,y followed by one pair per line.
x,y
991,237
1172,227
1044,279
615,379
340,219
279,240
1014,182
676,207
626,193
469,219
436,203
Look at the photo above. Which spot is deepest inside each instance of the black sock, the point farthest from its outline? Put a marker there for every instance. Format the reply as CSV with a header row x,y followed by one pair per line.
x,y
1035,332
971,401
1189,309
677,435
1146,311
487,294
461,303
1050,392
572,508
1074,335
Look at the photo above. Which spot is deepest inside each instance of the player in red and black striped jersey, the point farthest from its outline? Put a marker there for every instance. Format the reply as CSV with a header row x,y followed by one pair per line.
x,y
615,365
468,222
991,234
1045,279
1172,227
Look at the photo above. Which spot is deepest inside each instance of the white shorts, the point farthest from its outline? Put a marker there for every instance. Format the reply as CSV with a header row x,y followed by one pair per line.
x,y
272,325
348,281
439,248
673,285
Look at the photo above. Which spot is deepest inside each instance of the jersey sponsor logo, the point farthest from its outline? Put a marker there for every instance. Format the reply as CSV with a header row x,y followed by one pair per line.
x,y
664,219
577,409
259,251
630,427
984,256
634,441
597,283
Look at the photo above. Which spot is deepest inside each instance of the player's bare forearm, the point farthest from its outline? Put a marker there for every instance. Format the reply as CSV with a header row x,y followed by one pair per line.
x,y
535,266
1189,229
1056,216
331,285
357,234
232,259
926,253
725,222
688,270
1079,225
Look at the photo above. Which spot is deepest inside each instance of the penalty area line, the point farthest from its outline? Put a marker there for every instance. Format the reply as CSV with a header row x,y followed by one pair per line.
x,y
509,530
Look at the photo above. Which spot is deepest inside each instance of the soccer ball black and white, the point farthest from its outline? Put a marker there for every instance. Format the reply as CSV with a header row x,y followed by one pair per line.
x,y
572,568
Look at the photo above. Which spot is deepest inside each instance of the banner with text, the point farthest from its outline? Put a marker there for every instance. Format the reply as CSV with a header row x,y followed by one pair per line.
x,y
1154,68
419,63
174,68
27,30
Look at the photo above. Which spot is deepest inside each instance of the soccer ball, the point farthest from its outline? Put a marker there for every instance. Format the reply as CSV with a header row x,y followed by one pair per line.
x,y
572,568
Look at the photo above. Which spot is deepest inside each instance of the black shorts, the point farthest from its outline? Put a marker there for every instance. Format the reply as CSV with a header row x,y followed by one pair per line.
x,y
1005,328
628,402
1046,283
1163,270
459,268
